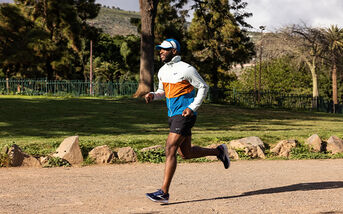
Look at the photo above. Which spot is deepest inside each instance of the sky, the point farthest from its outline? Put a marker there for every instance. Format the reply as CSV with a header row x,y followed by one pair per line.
x,y
275,13
272,13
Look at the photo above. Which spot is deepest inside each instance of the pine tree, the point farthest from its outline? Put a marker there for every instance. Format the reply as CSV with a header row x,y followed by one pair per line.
x,y
217,37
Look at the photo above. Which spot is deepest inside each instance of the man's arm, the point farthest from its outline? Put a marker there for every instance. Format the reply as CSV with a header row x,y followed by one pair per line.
x,y
198,82
157,95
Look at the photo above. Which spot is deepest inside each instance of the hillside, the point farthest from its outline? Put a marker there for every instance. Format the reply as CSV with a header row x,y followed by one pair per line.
x,y
115,21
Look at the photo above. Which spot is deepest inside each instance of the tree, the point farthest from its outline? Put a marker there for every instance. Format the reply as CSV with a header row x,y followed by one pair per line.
x,y
170,21
128,51
216,38
116,57
334,44
87,9
305,43
282,75
63,20
148,10
20,43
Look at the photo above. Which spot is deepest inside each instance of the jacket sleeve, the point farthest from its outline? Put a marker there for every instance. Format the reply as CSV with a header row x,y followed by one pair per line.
x,y
198,82
159,93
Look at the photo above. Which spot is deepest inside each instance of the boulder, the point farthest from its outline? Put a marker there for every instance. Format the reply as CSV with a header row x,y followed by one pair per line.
x,y
127,154
151,148
315,143
253,146
70,150
31,161
254,152
284,147
247,141
334,145
102,154
233,155
4,150
44,160
19,158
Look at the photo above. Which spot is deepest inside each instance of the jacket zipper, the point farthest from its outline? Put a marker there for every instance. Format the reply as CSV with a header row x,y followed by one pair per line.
x,y
171,113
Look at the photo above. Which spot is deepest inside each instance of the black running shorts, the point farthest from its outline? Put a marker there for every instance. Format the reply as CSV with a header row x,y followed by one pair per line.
x,y
182,125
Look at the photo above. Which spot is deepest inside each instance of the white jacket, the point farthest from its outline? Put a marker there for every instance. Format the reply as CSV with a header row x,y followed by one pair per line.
x,y
177,81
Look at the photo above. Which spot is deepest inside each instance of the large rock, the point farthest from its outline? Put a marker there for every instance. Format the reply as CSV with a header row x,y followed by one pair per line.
x,y
19,158
284,147
247,141
102,154
44,160
254,152
233,155
334,145
253,146
315,143
127,154
70,150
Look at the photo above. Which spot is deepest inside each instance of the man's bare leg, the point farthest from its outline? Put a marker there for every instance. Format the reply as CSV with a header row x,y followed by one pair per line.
x,y
173,142
182,144
187,151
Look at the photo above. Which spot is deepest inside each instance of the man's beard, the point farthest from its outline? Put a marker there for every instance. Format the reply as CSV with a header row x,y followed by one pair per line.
x,y
168,57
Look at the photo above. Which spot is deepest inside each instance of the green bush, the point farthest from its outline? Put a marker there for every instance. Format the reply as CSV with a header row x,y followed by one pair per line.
x,y
57,162
86,148
4,160
88,161
242,155
152,156
337,156
304,152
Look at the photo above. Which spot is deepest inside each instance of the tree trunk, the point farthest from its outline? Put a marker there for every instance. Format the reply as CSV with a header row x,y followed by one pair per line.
x,y
49,69
146,81
7,81
315,92
334,86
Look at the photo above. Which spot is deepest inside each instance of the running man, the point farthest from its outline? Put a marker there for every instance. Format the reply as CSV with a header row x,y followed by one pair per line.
x,y
177,81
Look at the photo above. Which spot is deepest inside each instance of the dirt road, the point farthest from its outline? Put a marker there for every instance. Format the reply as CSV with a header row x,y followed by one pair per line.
x,y
306,186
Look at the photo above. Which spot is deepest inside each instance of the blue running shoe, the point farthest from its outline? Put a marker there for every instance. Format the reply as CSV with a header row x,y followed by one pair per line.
x,y
224,155
158,196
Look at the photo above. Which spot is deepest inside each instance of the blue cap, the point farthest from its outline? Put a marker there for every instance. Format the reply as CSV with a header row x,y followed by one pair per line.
x,y
169,43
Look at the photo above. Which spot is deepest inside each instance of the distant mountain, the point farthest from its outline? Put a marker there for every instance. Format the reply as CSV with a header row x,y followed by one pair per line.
x,y
115,21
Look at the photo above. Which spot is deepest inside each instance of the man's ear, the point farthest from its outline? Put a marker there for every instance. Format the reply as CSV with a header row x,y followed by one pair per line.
x,y
174,51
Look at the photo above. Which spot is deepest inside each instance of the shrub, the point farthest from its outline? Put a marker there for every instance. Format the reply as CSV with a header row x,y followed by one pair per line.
x,y
152,156
88,161
304,152
4,160
242,155
57,162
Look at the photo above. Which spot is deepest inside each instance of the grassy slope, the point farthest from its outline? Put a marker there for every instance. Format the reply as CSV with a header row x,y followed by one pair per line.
x,y
115,22
41,123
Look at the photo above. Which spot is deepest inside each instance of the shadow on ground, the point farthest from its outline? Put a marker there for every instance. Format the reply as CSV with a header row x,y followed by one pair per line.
x,y
290,188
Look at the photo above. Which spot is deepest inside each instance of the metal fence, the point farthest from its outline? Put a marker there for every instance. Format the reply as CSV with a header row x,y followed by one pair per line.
x,y
271,99
66,88
234,97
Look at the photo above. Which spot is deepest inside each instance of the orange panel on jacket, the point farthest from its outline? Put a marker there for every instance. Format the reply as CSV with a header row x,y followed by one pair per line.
x,y
177,89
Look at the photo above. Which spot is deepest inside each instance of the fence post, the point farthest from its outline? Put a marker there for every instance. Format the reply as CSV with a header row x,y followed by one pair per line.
x,y
7,85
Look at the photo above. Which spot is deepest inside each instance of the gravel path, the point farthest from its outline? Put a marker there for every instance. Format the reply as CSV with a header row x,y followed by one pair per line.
x,y
306,186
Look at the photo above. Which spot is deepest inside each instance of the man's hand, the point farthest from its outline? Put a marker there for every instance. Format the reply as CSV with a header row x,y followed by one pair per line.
x,y
187,113
149,97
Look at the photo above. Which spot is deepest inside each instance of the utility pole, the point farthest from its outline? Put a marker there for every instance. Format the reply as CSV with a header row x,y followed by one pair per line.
x,y
255,80
91,69
262,28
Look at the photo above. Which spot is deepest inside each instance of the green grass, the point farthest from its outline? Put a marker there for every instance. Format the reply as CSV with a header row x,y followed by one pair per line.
x,y
39,124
